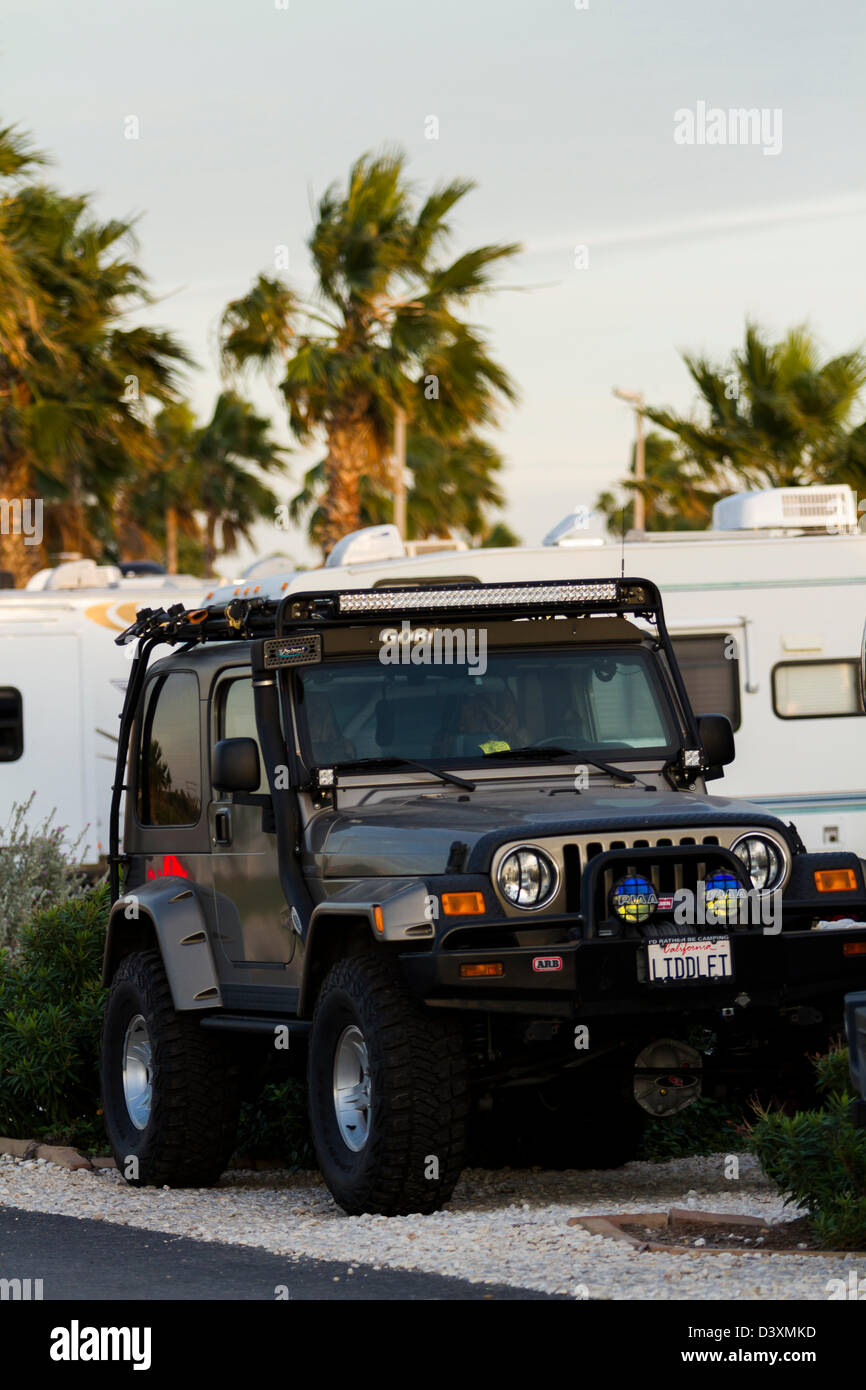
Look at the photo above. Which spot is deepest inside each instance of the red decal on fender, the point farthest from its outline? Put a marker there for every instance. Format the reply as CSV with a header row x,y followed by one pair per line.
x,y
171,868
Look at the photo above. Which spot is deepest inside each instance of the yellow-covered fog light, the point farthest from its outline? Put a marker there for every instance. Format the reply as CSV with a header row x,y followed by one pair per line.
x,y
634,899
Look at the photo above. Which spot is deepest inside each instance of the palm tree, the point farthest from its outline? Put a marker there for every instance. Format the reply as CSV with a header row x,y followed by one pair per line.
x,y
201,483
225,489
89,429
775,416
21,322
159,507
75,384
676,497
453,486
19,306
385,333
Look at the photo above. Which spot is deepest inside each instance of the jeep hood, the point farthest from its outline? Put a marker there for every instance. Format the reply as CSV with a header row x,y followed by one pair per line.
x,y
416,834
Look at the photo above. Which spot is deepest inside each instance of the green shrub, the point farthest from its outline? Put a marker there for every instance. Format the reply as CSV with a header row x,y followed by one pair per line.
x,y
38,867
706,1127
51,1006
832,1076
275,1125
817,1158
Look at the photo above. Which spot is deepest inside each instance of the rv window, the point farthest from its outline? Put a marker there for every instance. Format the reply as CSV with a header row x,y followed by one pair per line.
x,y
816,689
711,672
169,781
11,725
237,716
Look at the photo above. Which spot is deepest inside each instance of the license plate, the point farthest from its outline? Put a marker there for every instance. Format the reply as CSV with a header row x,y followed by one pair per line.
x,y
683,962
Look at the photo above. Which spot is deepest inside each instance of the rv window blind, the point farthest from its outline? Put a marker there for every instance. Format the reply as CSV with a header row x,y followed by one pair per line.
x,y
711,672
816,689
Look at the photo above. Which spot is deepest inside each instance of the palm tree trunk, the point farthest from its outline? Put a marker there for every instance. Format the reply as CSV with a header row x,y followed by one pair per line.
x,y
20,558
351,456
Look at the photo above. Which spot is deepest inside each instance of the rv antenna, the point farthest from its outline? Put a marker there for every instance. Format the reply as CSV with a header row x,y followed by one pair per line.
x,y
622,531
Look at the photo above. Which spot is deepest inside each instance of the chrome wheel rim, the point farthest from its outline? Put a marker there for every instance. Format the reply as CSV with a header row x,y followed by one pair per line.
x,y
352,1088
138,1072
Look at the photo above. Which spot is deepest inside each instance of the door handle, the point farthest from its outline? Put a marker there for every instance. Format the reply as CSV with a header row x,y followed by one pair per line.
x,y
222,822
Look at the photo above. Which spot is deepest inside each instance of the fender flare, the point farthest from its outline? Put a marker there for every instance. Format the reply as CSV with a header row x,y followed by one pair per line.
x,y
386,911
171,910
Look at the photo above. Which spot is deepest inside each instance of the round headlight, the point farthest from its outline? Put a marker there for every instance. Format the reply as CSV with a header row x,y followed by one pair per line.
x,y
634,898
527,877
763,860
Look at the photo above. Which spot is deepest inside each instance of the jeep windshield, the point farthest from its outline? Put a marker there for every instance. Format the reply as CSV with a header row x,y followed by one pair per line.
x,y
600,701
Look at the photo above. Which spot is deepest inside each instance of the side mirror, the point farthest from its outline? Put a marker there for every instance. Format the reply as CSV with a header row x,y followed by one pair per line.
x,y
236,765
717,739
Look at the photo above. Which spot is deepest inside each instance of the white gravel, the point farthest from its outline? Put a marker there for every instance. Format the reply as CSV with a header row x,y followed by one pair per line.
x,y
505,1227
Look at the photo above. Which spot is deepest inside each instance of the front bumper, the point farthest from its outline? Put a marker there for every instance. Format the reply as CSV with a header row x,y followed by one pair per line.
x,y
607,977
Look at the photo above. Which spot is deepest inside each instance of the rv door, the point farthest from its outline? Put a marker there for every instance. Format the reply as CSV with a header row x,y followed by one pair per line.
x,y
43,670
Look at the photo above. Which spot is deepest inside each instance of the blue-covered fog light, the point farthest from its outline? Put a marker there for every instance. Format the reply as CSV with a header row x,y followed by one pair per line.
x,y
722,893
634,899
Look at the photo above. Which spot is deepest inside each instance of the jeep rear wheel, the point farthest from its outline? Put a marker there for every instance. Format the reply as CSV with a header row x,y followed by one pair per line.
x,y
169,1094
388,1093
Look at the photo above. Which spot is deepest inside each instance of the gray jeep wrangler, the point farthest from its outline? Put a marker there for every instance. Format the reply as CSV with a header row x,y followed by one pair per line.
x,y
451,851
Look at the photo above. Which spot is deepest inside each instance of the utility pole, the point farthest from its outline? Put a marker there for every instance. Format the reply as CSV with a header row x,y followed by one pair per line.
x,y
171,539
400,471
635,398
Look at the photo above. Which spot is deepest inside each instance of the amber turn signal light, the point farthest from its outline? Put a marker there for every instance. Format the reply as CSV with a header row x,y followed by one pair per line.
x,y
462,904
836,880
481,970
378,918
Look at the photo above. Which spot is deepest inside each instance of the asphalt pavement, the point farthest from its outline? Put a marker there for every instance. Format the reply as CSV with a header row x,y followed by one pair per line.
x,y
99,1261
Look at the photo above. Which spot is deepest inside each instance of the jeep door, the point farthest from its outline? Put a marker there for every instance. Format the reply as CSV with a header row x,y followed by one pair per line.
x,y
254,926
166,827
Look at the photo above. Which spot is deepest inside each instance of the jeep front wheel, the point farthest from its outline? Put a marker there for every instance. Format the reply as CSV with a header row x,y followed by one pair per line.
x,y
388,1093
169,1093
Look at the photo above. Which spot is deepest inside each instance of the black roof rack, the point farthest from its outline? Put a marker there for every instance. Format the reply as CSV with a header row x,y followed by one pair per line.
x,y
246,618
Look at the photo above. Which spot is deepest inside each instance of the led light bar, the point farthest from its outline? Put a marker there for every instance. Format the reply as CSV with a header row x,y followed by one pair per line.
x,y
481,595
304,650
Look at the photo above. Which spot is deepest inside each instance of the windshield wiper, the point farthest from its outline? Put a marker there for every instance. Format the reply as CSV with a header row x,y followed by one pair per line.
x,y
556,754
353,763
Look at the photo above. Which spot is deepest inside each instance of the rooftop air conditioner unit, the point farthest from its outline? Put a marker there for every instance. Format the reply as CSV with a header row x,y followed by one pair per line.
x,y
583,526
370,543
77,574
831,509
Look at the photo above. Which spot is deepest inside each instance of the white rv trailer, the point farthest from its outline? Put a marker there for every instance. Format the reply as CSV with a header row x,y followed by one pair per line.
x,y
61,690
766,611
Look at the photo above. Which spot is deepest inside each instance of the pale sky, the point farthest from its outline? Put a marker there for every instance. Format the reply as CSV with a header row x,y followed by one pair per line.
x,y
565,117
